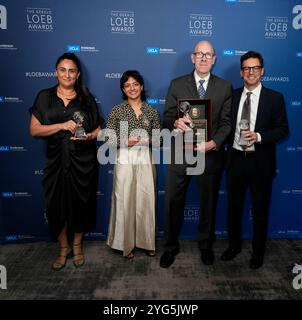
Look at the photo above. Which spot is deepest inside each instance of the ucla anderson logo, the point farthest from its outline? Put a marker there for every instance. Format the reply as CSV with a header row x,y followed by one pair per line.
x,y
151,50
73,48
7,194
228,52
4,148
152,101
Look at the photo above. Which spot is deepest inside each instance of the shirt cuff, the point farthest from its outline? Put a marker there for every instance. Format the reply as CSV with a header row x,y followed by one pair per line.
x,y
258,137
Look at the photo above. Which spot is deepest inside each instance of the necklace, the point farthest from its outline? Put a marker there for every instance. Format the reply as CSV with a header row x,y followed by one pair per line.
x,y
68,96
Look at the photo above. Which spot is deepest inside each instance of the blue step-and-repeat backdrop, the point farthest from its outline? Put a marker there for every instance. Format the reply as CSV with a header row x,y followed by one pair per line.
x,y
156,37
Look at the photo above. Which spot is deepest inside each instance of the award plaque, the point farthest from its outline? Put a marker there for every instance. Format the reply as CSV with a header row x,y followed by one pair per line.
x,y
199,111
79,119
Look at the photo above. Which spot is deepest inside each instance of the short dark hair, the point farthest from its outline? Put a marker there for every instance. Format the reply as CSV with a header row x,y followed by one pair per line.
x,y
138,77
251,54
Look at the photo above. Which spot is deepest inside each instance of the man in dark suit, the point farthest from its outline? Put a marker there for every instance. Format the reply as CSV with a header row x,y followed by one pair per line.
x,y
252,159
220,93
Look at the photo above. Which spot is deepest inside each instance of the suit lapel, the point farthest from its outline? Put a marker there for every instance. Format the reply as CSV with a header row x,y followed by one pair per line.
x,y
211,88
191,86
261,107
236,102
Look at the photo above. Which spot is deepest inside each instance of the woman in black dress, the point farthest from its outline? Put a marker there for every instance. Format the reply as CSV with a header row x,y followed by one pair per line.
x,y
70,173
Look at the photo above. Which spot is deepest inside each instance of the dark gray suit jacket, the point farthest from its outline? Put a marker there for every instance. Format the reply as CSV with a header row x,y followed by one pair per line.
x,y
220,93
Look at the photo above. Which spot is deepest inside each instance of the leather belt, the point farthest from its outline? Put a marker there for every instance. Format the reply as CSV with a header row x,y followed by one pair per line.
x,y
246,154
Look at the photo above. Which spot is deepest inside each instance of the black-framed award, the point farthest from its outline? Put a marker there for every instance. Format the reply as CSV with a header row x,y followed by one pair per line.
x,y
200,113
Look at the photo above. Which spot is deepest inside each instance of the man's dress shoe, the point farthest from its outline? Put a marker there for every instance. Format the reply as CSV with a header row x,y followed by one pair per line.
x,y
256,261
168,258
207,256
230,254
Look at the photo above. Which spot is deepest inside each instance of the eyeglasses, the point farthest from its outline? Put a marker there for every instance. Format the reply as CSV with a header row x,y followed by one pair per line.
x,y
201,54
249,69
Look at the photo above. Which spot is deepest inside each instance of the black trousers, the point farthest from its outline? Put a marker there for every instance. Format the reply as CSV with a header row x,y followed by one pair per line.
x,y
241,175
176,188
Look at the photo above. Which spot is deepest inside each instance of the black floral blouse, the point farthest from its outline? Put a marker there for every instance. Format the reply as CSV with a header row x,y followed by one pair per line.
x,y
123,123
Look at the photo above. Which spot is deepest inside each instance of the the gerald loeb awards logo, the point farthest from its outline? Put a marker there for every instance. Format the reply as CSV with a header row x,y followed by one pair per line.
x,y
3,277
122,22
3,17
200,25
276,28
39,19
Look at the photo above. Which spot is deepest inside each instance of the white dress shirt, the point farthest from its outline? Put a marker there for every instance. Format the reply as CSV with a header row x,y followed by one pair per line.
x,y
206,80
254,108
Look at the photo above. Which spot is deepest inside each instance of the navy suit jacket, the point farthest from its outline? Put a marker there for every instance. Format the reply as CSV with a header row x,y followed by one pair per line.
x,y
271,123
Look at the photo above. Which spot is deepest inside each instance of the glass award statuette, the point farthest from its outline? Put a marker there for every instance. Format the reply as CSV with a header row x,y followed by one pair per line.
x,y
184,108
243,126
199,112
79,119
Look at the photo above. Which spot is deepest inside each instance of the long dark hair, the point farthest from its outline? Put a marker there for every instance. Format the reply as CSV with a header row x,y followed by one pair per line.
x,y
80,89
138,77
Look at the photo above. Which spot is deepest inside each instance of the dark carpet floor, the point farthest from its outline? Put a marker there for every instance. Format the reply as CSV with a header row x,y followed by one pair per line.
x,y
107,275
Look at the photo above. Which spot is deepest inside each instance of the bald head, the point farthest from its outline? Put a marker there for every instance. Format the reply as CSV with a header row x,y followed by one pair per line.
x,y
205,46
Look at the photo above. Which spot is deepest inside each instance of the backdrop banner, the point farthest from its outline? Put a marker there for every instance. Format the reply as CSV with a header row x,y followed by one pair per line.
x,y
156,38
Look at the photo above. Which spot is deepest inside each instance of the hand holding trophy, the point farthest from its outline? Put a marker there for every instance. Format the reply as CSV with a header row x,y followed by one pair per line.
x,y
198,113
185,108
80,131
243,126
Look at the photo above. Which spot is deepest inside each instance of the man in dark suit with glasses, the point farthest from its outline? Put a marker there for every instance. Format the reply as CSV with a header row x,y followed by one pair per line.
x,y
252,155
201,83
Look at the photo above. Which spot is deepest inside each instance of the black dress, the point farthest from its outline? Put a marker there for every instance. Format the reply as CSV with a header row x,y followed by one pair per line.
x,y
70,173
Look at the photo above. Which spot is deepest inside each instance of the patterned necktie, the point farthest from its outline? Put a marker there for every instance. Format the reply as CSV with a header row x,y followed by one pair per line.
x,y
200,89
246,109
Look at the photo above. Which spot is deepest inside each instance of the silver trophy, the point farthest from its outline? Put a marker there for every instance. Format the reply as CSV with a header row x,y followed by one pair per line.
x,y
79,119
244,125
185,108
